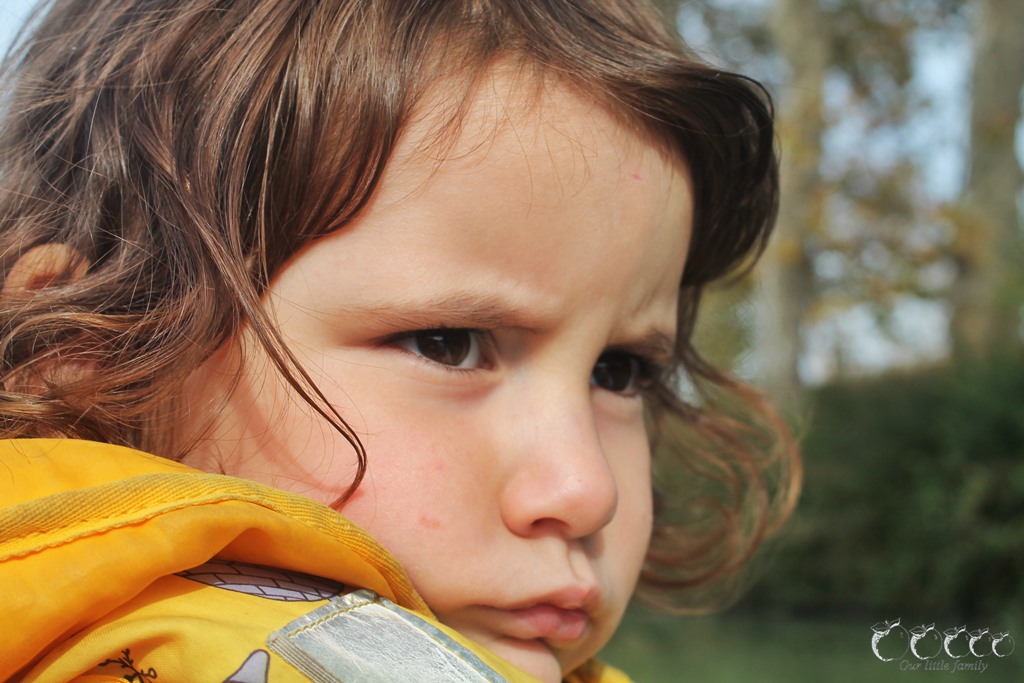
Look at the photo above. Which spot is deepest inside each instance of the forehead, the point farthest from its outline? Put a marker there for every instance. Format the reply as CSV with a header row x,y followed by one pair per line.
x,y
539,197
461,118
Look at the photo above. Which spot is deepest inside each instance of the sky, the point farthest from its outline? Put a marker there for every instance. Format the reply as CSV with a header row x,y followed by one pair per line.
x,y
12,13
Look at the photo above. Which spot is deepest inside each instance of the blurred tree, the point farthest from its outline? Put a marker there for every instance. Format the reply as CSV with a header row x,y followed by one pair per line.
x,y
988,296
860,233
800,32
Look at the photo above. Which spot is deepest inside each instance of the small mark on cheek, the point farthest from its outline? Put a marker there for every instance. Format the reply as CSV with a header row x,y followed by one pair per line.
x,y
429,522
637,176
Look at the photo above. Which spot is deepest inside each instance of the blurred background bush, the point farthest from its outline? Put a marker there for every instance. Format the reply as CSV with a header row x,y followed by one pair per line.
x,y
914,499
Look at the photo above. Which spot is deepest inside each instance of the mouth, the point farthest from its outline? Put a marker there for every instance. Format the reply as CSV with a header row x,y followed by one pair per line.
x,y
544,634
554,625
556,619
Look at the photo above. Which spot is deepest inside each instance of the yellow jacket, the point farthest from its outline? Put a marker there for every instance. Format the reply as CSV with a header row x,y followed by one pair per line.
x,y
116,565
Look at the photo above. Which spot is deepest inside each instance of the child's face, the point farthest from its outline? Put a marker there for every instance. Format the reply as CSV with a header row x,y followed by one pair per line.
x,y
481,327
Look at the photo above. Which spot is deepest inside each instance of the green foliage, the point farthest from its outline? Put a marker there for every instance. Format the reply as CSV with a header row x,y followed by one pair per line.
x,y
772,648
914,499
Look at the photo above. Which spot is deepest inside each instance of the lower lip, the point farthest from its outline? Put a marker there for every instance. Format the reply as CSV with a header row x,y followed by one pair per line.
x,y
549,623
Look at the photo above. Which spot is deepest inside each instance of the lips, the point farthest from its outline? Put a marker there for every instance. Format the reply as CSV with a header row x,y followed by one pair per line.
x,y
556,625
545,634
559,618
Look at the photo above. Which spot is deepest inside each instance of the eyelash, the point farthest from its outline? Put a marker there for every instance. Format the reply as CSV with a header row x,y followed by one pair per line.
x,y
646,375
648,372
480,338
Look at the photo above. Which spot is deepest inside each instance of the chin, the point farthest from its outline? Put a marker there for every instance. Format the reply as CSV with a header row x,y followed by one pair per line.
x,y
532,656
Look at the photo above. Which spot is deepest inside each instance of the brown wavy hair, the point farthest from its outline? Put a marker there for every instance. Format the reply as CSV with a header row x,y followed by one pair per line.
x,y
185,149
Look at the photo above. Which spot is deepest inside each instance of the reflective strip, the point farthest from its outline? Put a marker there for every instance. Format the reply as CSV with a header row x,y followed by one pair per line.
x,y
362,637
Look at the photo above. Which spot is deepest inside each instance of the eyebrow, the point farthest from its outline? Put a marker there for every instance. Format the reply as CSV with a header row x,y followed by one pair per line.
x,y
472,311
654,344
448,310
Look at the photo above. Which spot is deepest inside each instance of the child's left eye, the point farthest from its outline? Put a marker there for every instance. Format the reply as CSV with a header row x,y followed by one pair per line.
x,y
452,348
622,373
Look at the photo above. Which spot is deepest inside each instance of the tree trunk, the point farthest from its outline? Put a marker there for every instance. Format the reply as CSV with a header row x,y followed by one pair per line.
x,y
987,299
802,36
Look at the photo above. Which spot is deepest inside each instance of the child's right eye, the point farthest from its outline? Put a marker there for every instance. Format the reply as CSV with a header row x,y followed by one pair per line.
x,y
456,349
623,373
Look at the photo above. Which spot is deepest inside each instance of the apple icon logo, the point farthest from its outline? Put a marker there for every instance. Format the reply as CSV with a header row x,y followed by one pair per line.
x,y
889,640
981,642
1002,644
925,641
955,642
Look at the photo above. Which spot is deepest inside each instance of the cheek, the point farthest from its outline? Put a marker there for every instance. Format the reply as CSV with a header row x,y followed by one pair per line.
x,y
636,508
630,460
627,447
416,489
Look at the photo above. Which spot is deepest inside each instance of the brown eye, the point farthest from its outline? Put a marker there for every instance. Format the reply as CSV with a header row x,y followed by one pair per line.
x,y
454,348
619,372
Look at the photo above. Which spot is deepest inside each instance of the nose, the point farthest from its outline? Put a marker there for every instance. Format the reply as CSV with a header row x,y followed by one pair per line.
x,y
559,479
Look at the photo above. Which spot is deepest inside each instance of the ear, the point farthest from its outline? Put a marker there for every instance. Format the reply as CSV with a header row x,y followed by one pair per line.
x,y
53,263
40,267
